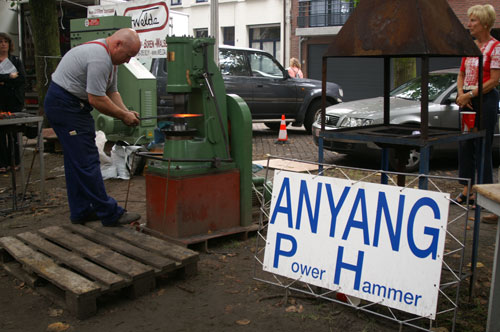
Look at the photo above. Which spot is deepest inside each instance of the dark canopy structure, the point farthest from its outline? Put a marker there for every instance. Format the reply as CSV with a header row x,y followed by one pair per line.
x,y
408,28
401,28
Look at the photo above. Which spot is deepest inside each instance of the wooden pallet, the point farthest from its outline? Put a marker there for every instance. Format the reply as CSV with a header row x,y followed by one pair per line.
x,y
85,262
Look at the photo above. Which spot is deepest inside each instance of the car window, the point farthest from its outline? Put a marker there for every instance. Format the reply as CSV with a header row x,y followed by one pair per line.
x,y
233,62
263,66
438,83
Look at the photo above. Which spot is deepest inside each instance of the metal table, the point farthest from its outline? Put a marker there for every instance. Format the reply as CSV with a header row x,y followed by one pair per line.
x,y
402,136
15,124
488,197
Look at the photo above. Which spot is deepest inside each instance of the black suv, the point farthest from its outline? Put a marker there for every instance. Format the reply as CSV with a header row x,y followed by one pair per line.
x,y
258,78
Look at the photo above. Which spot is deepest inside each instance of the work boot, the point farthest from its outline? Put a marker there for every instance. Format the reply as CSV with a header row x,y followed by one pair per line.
x,y
490,219
88,218
125,219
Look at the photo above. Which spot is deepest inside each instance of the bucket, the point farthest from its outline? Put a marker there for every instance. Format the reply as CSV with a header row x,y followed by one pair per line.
x,y
468,119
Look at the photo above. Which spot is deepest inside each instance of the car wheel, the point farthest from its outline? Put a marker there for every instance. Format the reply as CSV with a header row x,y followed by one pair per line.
x,y
313,112
412,160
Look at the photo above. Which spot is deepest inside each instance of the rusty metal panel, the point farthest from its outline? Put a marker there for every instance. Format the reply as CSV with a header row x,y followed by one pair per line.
x,y
187,206
396,28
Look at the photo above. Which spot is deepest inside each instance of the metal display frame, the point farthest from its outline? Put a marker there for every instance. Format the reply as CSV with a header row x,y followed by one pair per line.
x,y
453,265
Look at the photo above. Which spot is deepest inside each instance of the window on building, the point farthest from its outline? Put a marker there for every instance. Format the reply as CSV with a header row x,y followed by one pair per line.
x,y
197,1
175,2
319,13
198,33
267,39
228,35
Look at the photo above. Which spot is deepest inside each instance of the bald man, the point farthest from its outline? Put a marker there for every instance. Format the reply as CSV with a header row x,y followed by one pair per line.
x,y
85,79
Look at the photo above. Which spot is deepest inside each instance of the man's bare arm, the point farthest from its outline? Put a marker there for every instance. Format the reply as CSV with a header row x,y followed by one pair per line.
x,y
106,105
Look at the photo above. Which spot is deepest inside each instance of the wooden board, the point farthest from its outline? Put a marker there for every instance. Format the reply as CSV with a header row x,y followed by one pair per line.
x,y
179,254
97,253
163,264
287,165
86,262
76,262
47,268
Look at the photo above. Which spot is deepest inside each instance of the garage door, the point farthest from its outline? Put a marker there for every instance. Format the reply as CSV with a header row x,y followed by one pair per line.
x,y
360,77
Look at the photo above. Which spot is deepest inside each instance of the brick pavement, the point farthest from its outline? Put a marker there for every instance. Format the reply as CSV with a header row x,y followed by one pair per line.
x,y
300,145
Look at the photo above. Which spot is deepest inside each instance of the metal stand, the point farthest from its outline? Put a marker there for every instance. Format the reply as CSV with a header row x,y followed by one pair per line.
x,y
13,126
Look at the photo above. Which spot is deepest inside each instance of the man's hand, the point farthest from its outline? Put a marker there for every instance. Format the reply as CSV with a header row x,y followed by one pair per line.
x,y
131,118
14,75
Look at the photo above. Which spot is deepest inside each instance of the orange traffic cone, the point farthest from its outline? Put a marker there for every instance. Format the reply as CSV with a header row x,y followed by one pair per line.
x,y
282,136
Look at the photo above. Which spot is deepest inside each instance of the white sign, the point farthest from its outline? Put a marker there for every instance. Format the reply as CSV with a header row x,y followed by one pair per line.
x,y
376,242
7,67
150,18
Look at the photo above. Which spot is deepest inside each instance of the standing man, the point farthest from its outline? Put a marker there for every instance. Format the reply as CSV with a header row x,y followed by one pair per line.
x,y
85,79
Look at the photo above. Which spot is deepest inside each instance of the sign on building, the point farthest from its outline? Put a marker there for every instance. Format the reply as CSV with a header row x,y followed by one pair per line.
x,y
379,243
151,19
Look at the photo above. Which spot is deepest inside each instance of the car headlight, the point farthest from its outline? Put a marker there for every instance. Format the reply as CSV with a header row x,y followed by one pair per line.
x,y
354,122
330,120
341,93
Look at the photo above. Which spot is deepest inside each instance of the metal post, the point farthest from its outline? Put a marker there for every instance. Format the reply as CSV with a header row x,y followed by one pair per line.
x,y
477,216
424,102
480,167
214,27
384,166
424,166
387,90
387,106
323,115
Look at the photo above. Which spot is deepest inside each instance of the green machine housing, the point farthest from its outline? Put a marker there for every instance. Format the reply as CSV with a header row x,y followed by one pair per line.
x,y
202,184
137,86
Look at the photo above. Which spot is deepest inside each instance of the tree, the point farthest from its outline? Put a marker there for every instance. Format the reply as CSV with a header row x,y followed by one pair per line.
x,y
46,40
404,70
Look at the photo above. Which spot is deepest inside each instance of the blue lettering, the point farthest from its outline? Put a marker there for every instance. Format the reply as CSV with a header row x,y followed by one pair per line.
x,y
357,269
433,232
285,189
394,235
362,224
306,270
391,293
277,250
304,196
335,209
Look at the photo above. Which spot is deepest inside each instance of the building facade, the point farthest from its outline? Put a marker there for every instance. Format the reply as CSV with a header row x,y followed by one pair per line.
x,y
261,24
314,23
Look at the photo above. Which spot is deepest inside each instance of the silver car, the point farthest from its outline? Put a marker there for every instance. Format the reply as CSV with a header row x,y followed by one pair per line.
x,y
404,109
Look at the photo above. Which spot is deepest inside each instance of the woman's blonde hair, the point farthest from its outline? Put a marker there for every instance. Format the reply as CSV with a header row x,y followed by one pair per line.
x,y
485,13
294,62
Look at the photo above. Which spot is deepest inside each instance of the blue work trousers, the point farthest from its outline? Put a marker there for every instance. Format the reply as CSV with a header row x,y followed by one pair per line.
x,y
467,161
72,122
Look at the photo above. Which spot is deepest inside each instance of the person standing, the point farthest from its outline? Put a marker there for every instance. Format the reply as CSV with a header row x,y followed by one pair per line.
x,y
12,84
481,20
294,70
86,78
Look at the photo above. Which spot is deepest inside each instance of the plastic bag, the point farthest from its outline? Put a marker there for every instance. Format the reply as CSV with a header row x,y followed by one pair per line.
x,y
108,170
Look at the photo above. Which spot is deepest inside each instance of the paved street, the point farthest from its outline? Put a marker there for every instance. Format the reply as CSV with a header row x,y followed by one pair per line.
x,y
300,145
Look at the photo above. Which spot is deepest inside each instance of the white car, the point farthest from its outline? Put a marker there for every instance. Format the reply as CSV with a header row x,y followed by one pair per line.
x,y
404,109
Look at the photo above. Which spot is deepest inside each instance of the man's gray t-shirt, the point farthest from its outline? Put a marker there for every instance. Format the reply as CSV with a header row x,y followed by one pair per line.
x,y
86,69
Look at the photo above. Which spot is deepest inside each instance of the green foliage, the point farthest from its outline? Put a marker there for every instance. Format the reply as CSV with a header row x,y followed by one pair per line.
x,y
355,2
